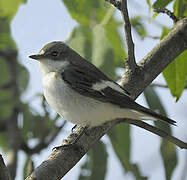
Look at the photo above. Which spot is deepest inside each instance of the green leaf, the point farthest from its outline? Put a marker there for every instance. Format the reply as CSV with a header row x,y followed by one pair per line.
x,y
102,52
175,73
3,141
180,8
100,46
80,40
6,41
168,150
94,46
149,3
114,38
96,163
161,3
165,31
155,104
184,8
8,8
138,26
7,103
4,72
120,139
86,12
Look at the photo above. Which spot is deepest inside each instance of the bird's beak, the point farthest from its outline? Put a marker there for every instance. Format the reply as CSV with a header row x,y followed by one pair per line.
x,y
36,56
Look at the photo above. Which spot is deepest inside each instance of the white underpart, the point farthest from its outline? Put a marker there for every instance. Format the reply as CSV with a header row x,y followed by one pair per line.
x,y
80,109
104,84
47,65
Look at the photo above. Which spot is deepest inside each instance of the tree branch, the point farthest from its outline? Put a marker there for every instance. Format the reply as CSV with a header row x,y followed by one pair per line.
x,y
157,59
3,126
4,173
115,3
156,131
162,85
43,143
12,126
130,61
61,161
168,12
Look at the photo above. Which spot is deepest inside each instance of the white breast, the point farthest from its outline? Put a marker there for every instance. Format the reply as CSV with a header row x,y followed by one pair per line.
x,y
56,92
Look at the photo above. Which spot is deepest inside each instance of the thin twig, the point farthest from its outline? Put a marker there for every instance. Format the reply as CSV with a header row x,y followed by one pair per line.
x,y
130,61
158,85
162,85
115,3
156,131
153,37
43,143
168,12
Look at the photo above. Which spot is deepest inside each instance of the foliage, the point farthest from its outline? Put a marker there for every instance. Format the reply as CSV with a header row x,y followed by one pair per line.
x,y
91,169
98,39
175,74
167,150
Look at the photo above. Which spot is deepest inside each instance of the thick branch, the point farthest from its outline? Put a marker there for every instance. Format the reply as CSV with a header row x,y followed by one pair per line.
x,y
157,60
4,173
130,61
60,162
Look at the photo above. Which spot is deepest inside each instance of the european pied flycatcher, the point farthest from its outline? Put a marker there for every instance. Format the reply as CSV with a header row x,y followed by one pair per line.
x,y
81,93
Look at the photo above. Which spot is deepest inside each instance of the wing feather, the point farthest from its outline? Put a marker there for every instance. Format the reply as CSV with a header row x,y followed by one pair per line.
x,y
83,81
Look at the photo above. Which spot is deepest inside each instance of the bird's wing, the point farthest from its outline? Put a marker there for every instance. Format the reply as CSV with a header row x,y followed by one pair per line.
x,y
96,85
91,84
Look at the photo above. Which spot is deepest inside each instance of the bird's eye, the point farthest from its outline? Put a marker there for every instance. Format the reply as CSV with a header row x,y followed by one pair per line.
x,y
54,53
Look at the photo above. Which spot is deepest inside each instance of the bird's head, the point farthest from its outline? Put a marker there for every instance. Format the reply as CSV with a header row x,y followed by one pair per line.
x,y
53,56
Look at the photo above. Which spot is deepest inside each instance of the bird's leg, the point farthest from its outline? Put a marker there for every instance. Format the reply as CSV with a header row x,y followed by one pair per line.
x,y
73,144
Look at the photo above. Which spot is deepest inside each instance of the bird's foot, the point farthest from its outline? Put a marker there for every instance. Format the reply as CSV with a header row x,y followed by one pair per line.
x,y
65,146
72,144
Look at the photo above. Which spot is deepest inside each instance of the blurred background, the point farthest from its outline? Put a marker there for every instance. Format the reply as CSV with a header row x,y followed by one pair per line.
x,y
29,129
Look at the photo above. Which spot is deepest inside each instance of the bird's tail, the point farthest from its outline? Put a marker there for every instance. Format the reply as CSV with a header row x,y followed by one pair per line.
x,y
147,114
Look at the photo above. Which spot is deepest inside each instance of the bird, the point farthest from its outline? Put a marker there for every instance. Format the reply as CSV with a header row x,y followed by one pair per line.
x,y
81,93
